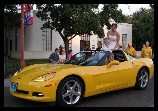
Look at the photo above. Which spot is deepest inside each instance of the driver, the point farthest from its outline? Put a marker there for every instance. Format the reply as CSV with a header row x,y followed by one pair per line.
x,y
109,58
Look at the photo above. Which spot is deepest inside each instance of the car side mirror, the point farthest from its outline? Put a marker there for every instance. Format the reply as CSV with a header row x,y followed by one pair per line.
x,y
114,62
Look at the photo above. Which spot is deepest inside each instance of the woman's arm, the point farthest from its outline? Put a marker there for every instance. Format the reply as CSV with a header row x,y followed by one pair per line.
x,y
117,41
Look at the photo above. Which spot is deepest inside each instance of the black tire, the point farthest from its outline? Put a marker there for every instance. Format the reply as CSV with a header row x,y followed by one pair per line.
x,y
66,87
142,80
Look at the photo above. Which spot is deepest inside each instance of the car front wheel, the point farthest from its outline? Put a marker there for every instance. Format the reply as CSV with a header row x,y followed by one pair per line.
x,y
69,92
142,79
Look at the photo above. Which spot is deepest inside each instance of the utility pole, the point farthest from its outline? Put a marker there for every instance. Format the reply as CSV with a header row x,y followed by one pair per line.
x,y
22,37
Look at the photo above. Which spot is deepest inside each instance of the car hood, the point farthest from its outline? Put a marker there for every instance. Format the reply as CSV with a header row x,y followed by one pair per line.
x,y
36,70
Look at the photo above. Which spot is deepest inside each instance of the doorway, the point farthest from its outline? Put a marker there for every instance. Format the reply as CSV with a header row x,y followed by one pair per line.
x,y
124,41
84,44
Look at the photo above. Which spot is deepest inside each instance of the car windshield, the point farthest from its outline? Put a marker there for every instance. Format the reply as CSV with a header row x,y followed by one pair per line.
x,y
96,58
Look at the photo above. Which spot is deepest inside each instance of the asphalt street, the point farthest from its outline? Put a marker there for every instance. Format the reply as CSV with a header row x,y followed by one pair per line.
x,y
122,98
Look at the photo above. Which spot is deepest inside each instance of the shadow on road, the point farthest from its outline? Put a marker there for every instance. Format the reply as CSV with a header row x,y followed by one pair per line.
x,y
26,103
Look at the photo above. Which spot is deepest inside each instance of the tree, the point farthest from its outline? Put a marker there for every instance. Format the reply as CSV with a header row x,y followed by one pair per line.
x,y
152,6
77,19
128,19
143,27
11,16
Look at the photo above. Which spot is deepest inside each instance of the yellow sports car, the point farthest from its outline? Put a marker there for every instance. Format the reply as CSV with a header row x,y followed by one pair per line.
x,y
78,77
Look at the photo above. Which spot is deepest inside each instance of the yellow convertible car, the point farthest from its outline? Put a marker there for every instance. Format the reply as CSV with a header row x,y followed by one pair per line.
x,y
78,77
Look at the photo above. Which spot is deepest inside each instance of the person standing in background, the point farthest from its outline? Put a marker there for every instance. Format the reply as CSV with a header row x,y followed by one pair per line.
x,y
104,47
62,57
130,50
54,57
99,46
60,47
142,49
120,47
88,52
146,52
143,45
106,41
69,54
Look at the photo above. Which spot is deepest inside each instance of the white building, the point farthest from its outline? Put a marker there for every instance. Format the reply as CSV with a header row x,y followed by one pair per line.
x,y
39,44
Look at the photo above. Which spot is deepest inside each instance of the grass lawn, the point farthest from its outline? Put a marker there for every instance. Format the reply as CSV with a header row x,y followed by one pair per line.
x,y
13,65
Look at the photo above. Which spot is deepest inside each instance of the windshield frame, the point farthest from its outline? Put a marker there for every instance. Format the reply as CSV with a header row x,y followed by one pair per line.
x,y
131,57
97,59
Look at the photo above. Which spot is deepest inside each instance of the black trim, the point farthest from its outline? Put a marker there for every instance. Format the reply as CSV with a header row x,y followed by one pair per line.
x,y
119,51
130,54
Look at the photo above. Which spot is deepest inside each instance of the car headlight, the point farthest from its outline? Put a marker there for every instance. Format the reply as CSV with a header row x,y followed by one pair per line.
x,y
44,77
17,72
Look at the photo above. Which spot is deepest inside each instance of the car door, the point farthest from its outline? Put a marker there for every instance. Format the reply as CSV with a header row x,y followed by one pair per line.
x,y
116,75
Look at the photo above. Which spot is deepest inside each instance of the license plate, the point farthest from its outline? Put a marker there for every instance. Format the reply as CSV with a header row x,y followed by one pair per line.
x,y
13,86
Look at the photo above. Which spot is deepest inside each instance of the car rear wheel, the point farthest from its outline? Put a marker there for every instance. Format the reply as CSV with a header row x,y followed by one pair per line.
x,y
69,92
142,79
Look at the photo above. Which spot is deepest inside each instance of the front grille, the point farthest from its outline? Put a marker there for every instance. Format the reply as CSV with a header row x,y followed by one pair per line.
x,y
21,91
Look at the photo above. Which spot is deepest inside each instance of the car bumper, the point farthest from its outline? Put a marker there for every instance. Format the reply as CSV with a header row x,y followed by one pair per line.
x,y
30,92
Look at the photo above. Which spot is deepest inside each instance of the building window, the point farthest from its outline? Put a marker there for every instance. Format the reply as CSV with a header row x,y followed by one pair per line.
x,y
124,41
85,37
47,39
16,33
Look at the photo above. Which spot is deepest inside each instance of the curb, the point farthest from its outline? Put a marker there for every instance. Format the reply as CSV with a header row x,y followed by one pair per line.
x,y
7,82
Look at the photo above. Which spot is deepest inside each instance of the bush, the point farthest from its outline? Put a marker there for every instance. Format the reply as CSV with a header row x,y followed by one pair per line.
x,y
13,65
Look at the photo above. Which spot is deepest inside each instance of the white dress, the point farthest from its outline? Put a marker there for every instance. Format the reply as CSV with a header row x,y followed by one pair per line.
x,y
111,44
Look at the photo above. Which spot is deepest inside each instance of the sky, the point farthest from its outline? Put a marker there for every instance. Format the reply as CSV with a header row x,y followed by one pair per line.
x,y
127,9
133,8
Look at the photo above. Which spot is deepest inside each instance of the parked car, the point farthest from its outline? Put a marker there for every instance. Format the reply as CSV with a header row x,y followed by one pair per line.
x,y
78,77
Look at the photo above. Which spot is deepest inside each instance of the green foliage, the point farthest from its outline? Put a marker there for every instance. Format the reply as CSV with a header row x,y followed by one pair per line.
x,y
13,65
128,19
143,27
78,19
11,17
111,11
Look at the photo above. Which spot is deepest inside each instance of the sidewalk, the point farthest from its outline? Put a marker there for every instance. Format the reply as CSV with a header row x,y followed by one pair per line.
x,y
7,82
151,105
